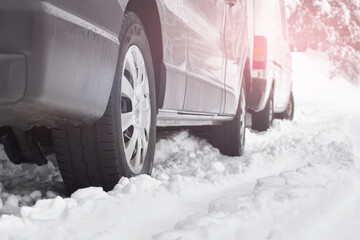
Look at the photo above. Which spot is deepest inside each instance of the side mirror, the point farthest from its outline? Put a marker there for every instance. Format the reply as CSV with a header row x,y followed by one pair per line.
x,y
300,44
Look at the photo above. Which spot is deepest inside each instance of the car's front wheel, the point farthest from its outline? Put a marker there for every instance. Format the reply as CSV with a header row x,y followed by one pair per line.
x,y
122,142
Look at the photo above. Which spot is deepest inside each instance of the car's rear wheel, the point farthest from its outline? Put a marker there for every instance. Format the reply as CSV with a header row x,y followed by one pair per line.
x,y
289,112
229,137
122,142
263,120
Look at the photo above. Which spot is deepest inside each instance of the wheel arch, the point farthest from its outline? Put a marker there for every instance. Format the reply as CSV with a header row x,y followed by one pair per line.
x,y
148,12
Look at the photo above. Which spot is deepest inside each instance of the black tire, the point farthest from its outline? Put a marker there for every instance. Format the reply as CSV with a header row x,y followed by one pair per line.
x,y
95,155
229,137
263,120
289,112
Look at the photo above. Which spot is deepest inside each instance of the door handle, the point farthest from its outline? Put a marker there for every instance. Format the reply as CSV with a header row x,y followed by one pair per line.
x,y
231,3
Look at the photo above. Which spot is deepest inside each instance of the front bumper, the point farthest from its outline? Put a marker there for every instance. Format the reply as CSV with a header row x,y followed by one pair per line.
x,y
53,68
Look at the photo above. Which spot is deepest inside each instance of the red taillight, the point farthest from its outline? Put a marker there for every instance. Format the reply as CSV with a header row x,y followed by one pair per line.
x,y
260,51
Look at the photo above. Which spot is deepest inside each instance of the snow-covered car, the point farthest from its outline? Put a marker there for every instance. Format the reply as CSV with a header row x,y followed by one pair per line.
x,y
93,79
271,94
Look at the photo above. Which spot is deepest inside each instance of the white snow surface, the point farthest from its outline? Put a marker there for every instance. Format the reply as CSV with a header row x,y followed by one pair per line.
x,y
299,180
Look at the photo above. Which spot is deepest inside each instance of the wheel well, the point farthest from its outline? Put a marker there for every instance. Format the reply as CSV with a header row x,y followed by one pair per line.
x,y
148,13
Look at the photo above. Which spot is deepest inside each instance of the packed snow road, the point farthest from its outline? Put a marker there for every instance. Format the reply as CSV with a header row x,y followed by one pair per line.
x,y
299,180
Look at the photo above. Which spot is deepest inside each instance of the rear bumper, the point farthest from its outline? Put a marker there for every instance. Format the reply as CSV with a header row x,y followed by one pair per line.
x,y
54,67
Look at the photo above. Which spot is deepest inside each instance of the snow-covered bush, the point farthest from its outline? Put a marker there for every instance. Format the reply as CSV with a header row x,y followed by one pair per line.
x,y
332,26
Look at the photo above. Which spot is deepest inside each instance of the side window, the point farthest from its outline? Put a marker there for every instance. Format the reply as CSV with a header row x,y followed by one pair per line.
x,y
283,20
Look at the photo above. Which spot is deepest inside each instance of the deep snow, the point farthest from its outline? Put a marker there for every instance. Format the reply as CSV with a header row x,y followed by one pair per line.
x,y
299,180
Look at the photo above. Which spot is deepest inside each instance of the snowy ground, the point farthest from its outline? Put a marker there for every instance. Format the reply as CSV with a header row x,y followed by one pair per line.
x,y
299,180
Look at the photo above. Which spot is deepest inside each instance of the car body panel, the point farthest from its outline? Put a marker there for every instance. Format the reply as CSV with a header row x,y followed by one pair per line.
x,y
174,39
205,55
286,67
70,60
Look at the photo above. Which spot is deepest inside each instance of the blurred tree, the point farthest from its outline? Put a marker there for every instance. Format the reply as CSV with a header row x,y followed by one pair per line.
x,y
332,26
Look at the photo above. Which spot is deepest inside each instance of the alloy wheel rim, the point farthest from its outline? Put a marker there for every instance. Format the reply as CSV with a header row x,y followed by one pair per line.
x,y
135,109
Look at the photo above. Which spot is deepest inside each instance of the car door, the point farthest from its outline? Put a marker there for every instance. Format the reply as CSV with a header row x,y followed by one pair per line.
x,y
205,56
237,47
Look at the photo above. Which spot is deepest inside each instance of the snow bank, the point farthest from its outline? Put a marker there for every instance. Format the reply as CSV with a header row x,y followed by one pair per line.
x,y
318,153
